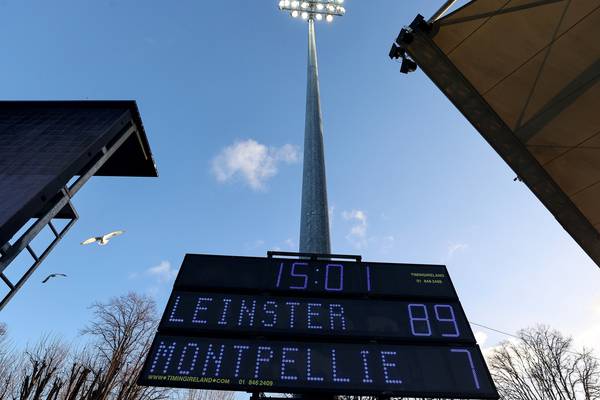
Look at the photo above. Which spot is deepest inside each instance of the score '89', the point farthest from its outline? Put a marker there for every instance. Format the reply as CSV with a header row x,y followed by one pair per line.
x,y
420,324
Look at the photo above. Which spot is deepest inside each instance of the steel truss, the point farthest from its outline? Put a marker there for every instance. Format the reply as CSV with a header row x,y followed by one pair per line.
x,y
9,252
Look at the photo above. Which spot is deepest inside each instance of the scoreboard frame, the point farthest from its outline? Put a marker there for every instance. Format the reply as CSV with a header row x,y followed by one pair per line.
x,y
200,274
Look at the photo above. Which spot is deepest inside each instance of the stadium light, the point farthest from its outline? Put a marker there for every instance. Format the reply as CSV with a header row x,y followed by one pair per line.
x,y
313,9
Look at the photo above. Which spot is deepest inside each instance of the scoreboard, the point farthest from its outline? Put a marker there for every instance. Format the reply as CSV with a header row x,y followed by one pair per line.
x,y
300,325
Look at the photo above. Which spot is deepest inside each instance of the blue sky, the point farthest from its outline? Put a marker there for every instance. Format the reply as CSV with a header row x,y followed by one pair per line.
x,y
220,86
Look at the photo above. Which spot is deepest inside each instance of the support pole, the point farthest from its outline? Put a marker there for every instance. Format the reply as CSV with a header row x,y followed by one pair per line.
x,y
314,220
314,223
443,10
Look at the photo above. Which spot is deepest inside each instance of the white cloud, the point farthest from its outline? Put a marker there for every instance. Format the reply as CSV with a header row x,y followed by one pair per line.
x,y
590,336
287,153
331,215
481,338
254,245
163,272
358,232
456,248
291,244
387,243
251,161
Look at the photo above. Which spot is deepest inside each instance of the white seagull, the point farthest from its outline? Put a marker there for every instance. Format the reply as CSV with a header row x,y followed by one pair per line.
x,y
103,240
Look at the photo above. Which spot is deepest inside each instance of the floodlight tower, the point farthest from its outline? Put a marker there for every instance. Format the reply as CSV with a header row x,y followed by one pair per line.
x,y
314,221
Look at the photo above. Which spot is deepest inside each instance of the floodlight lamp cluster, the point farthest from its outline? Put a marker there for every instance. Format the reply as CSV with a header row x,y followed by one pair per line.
x,y
313,9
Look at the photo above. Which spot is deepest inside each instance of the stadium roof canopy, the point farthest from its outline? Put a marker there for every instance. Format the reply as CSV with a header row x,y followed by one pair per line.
x,y
526,74
48,151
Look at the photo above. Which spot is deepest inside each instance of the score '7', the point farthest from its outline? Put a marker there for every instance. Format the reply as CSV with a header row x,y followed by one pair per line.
x,y
470,358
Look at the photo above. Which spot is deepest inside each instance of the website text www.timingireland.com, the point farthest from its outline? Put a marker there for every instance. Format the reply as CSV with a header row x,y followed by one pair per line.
x,y
197,379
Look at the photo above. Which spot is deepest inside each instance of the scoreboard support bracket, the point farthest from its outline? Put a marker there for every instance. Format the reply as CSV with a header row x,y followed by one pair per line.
x,y
314,256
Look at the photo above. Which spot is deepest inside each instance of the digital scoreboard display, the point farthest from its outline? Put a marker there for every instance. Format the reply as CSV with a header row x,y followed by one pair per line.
x,y
301,326
274,315
318,277
336,368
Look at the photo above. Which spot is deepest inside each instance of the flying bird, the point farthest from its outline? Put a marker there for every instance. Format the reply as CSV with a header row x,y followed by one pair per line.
x,y
53,276
103,240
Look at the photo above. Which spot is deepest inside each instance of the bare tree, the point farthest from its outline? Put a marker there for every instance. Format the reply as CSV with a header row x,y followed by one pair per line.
x,y
543,365
39,375
48,370
8,365
203,395
588,370
81,375
106,368
384,397
121,334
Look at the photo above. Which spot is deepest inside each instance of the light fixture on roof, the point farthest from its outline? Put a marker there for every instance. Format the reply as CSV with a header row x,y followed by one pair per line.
x,y
408,65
